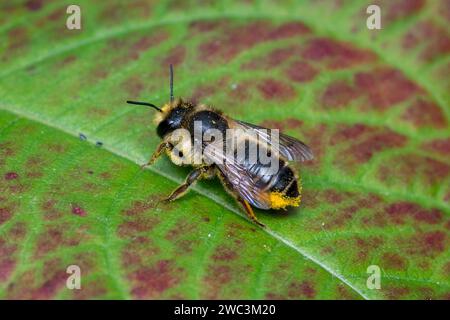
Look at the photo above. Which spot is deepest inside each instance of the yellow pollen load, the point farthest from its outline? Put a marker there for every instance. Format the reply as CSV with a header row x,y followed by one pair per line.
x,y
281,201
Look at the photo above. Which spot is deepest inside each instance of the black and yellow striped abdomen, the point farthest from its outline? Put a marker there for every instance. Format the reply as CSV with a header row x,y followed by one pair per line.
x,y
286,188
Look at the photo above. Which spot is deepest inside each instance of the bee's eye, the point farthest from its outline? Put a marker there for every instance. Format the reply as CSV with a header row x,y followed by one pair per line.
x,y
179,153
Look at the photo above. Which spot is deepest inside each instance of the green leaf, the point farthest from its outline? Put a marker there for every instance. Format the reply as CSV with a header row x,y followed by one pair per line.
x,y
373,104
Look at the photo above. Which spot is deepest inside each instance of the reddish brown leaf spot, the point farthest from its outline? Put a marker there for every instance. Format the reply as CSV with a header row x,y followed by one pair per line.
x,y
207,26
18,38
302,290
5,215
133,86
272,60
17,232
7,266
240,91
385,87
352,132
34,161
68,60
55,15
400,9
137,47
235,39
430,170
106,175
338,94
395,292
51,286
34,5
202,92
363,151
300,71
139,207
337,54
441,146
115,13
446,270
137,250
444,9
37,285
11,175
176,56
427,244
225,253
399,211
79,211
56,147
153,281
365,243
433,40
6,151
287,30
218,276
49,241
91,290
276,90
366,246
425,114
292,123
434,241
139,224
345,293
51,212
179,235
332,196
34,175
100,72
393,261
7,259
55,236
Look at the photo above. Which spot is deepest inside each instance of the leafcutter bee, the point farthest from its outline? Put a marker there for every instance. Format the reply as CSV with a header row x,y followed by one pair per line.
x,y
268,184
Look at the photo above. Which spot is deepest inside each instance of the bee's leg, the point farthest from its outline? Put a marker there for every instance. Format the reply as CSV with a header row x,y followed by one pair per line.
x,y
194,175
249,211
245,205
163,146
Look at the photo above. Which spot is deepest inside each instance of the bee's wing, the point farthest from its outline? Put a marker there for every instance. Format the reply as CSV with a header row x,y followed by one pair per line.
x,y
289,147
249,185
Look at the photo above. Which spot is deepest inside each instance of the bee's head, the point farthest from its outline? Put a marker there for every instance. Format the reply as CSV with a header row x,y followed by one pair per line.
x,y
171,115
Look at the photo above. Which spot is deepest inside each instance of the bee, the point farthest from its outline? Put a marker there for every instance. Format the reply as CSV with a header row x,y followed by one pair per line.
x,y
252,184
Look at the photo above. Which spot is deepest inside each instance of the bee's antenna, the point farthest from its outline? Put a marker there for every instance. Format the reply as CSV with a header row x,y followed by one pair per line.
x,y
144,104
171,82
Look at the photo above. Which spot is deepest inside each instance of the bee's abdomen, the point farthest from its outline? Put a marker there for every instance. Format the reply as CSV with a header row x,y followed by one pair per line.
x,y
285,191
292,191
